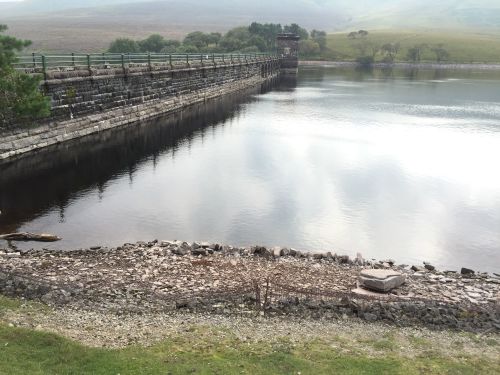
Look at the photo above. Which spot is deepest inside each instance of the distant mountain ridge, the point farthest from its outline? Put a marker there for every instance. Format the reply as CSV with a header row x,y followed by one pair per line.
x,y
90,25
327,14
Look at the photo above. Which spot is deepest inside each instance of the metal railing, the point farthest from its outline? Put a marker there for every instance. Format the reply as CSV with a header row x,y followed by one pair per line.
x,y
38,63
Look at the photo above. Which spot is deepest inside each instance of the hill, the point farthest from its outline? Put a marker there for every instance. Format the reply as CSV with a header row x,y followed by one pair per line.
x,y
90,25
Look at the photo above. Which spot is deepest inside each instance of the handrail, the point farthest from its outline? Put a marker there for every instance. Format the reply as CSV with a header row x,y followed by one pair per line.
x,y
40,63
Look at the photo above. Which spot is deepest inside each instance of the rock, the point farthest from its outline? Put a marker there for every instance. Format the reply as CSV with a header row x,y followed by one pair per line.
x,y
429,266
359,259
262,251
180,251
381,280
199,251
343,259
276,251
285,252
417,268
467,271
370,317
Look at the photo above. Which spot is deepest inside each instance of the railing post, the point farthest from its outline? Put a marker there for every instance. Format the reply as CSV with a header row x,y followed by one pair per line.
x,y
88,65
170,61
223,59
73,59
103,60
187,59
123,63
149,61
34,60
231,58
44,68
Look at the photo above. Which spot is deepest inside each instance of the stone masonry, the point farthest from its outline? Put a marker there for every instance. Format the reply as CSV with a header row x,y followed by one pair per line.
x,y
86,102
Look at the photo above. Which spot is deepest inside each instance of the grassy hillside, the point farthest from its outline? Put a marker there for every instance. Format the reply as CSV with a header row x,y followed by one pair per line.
x,y
463,47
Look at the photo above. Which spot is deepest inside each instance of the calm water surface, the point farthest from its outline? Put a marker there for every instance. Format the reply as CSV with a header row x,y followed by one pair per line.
x,y
392,164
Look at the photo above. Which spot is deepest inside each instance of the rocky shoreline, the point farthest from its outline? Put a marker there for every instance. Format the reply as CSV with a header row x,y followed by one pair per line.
x,y
180,277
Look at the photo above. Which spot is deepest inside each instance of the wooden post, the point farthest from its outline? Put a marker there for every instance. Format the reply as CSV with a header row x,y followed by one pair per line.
x,y
73,59
170,61
149,61
34,60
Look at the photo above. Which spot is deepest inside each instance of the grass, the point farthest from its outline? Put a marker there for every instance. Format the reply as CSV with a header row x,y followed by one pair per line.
x,y
24,351
463,47
214,350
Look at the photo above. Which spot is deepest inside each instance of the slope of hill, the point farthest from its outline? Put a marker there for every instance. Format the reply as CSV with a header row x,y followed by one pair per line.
x,y
90,25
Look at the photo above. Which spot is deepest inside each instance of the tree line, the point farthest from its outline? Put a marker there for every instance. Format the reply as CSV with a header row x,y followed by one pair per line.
x,y
257,37
368,50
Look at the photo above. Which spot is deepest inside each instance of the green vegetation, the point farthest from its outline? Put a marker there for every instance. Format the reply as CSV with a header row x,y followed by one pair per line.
x,y
255,38
211,350
205,351
364,46
20,99
414,46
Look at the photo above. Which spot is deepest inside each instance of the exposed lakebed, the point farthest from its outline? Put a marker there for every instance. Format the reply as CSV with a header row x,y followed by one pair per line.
x,y
395,164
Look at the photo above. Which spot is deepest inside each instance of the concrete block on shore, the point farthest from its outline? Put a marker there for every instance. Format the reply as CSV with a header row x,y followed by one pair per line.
x,y
381,280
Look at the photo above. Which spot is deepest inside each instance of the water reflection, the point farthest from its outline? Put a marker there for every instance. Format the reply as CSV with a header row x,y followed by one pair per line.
x,y
395,163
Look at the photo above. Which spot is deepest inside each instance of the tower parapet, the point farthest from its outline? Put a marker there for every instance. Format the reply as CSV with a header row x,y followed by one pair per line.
x,y
288,51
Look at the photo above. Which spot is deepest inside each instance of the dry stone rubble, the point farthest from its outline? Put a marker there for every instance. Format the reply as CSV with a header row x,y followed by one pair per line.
x,y
161,276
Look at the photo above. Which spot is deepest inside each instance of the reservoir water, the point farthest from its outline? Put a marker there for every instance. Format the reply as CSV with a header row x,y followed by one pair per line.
x,y
401,164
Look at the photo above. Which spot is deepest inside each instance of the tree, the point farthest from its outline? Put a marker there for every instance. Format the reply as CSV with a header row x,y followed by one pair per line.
x,y
230,44
268,32
124,45
415,53
320,38
352,35
441,53
390,50
171,46
198,39
153,43
309,47
296,29
20,97
214,38
187,48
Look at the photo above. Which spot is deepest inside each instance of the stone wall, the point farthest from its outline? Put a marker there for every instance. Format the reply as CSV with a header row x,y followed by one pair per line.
x,y
86,102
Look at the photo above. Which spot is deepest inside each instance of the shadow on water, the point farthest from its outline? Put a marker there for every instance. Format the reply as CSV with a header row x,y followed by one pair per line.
x,y
34,184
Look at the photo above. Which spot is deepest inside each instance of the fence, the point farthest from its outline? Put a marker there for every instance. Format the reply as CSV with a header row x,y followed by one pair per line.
x,y
37,63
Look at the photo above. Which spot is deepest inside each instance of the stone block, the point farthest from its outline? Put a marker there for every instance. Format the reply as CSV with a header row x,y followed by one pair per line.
x,y
380,280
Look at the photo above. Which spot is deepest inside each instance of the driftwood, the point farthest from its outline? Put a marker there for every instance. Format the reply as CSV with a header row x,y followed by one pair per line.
x,y
29,237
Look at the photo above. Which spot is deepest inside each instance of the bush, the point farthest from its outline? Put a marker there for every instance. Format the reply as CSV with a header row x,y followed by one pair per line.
x,y
365,61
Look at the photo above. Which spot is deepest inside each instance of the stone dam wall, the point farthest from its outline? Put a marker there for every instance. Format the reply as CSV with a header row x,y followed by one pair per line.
x,y
90,101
